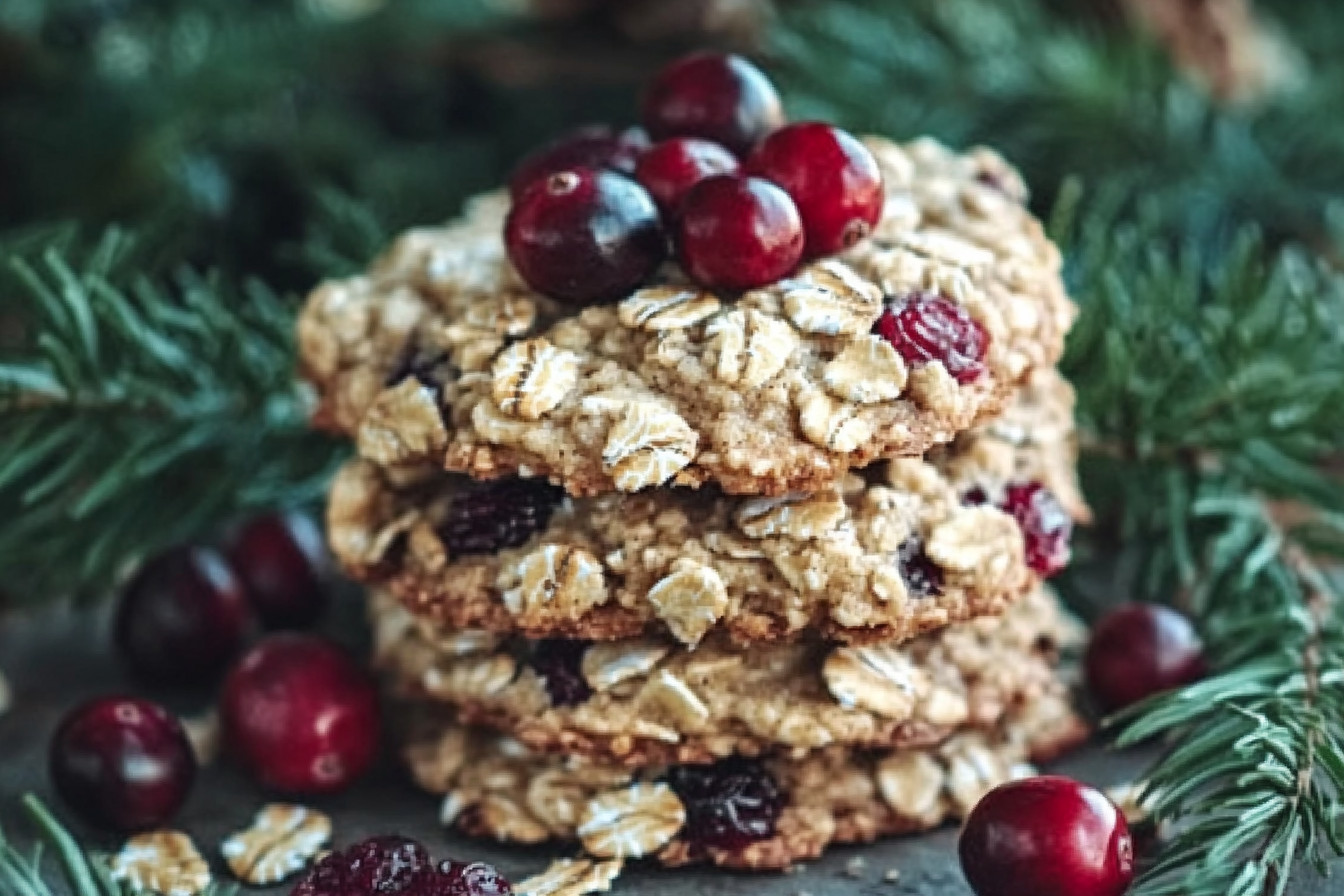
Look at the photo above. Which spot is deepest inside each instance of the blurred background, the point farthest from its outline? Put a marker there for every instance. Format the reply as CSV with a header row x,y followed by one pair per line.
x,y
283,138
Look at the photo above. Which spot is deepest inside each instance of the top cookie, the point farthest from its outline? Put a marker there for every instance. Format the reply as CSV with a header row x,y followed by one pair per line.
x,y
441,353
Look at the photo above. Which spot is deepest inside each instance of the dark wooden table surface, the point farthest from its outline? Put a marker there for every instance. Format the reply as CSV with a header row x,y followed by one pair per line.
x,y
54,661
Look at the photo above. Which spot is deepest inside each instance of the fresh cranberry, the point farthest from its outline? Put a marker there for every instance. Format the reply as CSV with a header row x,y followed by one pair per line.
x,y
926,327
832,177
738,232
716,96
182,617
559,663
922,576
1138,650
1046,525
472,879
122,763
1046,836
590,146
672,167
730,804
585,236
498,515
281,559
300,714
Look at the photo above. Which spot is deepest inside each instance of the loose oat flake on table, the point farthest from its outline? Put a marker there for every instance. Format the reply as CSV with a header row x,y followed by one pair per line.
x,y
571,877
759,392
281,841
161,862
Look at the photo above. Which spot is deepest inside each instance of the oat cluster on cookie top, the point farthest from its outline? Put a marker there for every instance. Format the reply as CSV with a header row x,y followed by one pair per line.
x,y
708,478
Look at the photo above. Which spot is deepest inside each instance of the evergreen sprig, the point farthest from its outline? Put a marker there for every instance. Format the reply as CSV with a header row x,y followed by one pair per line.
x,y
1211,397
136,413
84,873
1074,94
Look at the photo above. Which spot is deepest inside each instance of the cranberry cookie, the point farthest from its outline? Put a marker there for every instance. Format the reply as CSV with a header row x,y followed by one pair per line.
x,y
440,354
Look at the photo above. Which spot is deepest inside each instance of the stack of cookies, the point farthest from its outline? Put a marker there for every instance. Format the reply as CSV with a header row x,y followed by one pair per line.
x,y
715,576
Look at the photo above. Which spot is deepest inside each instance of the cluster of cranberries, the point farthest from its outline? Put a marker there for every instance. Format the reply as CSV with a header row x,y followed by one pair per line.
x,y
498,515
1052,836
397,866
297,711
188,611
729,805
741,196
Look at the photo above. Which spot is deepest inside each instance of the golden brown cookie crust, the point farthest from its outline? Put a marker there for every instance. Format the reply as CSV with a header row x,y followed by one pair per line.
x,y
653,701
495,787
441,355
690,562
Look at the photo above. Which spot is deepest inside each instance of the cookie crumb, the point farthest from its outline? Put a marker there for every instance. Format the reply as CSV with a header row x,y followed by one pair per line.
x,y
571,877
891,876
855,867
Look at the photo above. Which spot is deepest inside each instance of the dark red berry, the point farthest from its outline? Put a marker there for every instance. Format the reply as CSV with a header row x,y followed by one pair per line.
x,y
300,714
590,146
832,177
738,232
730,804
926,327
1138,650
182,617
584,236
1046,525
472,879
716,96
1046,836
498,515
559,663
672,167
380,866
122,763
281,559
922,576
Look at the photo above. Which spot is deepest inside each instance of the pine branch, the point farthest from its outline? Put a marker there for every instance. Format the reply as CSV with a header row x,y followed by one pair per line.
x,y
139,414
84,874
1210,388
1062,96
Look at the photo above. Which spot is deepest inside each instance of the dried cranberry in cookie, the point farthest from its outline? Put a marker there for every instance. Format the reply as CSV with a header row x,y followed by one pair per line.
x,y
671,168
832,177
1046,836
584,236
921,575
715,96
1046,526
559,663
498,515
926,327
729,805
1139,650
591,146
738,233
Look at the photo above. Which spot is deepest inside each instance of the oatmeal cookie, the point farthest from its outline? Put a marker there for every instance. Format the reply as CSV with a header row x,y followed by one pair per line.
x,y
757,814
910,546
441,355
650,700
